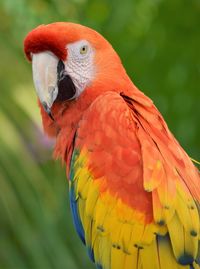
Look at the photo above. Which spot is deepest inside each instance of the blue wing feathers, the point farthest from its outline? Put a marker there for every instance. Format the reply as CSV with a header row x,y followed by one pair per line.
x,y
76,219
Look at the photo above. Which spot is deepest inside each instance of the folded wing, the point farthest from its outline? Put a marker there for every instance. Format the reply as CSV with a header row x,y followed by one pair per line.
x,y
134,192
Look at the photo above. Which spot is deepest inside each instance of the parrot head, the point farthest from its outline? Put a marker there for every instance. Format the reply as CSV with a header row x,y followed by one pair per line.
x,y
72,65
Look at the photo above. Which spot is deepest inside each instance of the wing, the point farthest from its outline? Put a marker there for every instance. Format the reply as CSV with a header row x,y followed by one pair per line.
x,y
134,192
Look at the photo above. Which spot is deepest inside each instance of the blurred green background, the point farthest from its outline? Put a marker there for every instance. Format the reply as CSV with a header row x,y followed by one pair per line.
x,y
159,43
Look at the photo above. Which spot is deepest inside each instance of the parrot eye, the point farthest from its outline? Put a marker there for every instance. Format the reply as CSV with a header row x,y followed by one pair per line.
x,y
83,49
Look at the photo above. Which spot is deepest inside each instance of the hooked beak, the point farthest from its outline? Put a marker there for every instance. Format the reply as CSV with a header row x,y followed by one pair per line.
x,y
52,83
44,66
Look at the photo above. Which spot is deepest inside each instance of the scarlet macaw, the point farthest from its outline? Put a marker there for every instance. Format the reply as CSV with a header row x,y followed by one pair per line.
x,y
134,192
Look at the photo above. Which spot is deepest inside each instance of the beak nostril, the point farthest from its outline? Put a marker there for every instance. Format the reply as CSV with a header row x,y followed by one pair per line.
x,y
60,71
60,67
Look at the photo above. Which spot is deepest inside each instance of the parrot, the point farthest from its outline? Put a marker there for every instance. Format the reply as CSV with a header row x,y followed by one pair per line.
x,y
134,192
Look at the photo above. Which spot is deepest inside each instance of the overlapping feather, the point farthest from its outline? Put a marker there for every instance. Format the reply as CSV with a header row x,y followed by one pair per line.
x,y
120,233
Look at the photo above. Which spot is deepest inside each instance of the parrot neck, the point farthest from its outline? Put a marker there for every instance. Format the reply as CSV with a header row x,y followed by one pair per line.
x,y
68,114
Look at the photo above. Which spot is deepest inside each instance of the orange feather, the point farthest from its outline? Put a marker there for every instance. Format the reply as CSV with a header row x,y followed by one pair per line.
x,y
135,193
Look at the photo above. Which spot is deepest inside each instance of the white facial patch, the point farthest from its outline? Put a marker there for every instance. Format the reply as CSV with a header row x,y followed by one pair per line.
x,y
79,64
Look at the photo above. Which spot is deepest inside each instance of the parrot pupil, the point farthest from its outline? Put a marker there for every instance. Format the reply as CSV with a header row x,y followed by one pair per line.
x,y
66,87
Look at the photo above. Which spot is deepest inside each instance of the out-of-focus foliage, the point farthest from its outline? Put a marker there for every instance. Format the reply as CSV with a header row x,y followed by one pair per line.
x,y
158,42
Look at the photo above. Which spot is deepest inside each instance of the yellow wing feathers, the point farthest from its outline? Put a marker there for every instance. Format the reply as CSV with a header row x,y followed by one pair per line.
x,y
118,235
